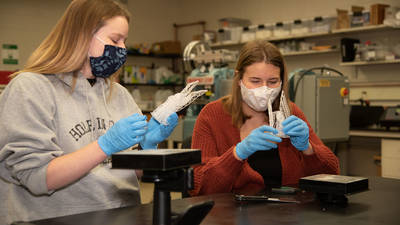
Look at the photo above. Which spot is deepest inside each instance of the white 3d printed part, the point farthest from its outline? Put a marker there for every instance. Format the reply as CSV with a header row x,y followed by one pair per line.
x,y
177,102
276,118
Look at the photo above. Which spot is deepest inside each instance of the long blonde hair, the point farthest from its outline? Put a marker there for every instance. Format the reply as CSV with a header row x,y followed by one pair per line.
x,y
254,52
66,47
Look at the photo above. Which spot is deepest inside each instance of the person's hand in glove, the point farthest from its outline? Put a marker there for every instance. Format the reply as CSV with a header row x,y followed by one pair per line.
x,y
298,132
125,133
158,132
260,139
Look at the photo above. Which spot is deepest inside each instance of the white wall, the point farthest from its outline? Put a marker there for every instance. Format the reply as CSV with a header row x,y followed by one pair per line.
x,y
27,22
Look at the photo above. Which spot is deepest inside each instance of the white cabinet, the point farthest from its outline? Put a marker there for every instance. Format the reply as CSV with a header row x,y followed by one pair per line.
x,y
391,158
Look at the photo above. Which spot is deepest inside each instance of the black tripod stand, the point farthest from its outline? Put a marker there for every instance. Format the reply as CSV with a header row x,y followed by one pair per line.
x,y
169,170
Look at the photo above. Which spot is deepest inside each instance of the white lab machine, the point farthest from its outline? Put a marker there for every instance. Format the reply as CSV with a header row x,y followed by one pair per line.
x,y
322,93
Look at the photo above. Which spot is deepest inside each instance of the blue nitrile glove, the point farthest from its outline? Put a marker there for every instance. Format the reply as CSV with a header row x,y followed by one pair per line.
x,y
157,132
125,133
298,132
258,140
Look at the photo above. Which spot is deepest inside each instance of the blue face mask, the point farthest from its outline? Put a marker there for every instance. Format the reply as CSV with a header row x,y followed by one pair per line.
x,y
112,59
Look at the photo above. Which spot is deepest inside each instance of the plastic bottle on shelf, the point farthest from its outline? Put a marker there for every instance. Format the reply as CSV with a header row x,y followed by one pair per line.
x,y
248,34
280,30
298,28
236,34
263,32
135,75
382,50
368,52
127,75
221,36
357,19
320,25
227,35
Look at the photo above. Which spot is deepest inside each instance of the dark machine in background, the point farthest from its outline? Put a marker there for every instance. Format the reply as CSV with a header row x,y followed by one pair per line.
x,y
365,116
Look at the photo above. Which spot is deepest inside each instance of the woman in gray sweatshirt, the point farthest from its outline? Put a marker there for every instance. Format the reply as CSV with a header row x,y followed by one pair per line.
x,y
62,116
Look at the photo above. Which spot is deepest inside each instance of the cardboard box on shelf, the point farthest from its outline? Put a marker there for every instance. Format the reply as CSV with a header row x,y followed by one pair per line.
x,y
377,13
343,19
167,47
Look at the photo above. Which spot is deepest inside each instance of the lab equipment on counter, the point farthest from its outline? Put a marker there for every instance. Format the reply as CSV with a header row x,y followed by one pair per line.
x,y
210,68
390,117
322,93
365,116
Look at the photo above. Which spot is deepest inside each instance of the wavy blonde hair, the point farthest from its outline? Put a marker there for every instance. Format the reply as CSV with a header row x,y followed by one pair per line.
x,y
66,47
254,52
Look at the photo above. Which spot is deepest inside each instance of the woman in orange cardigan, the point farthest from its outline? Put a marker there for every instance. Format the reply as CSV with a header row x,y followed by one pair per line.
x,y
241,153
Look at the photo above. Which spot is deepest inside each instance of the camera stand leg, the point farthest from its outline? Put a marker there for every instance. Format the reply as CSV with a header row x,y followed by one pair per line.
x,y
164,183
161,206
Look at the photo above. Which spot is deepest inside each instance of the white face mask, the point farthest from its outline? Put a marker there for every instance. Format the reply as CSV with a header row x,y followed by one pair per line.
x,y
258,98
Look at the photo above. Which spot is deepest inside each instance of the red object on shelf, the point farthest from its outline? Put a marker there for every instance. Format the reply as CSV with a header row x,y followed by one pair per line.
x,y
4,76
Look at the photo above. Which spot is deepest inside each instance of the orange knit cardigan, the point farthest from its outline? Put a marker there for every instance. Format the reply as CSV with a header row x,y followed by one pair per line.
x,y
221,172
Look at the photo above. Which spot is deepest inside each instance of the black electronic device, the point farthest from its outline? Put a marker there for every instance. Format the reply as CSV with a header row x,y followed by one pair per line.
x,y
158,160
169,170
332,189
348,49
390,117
364,116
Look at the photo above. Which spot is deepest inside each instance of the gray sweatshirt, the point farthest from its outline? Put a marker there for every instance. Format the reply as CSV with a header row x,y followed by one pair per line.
x,y
41,119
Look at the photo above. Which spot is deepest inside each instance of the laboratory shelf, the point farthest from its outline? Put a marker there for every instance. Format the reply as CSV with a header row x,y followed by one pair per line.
x,y
310,35
290,37
310,52
363,28
362,63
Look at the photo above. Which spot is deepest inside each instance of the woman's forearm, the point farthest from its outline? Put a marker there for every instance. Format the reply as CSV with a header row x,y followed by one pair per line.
x,y
68,168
